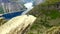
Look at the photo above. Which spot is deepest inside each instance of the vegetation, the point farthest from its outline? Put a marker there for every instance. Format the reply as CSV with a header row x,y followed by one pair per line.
x,y
2,21
48,16
53,30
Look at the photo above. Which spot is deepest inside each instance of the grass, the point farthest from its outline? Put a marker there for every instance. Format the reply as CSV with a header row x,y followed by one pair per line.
x,y
44,15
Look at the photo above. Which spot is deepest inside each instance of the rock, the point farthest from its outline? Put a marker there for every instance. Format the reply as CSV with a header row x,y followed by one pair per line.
x,y
17,24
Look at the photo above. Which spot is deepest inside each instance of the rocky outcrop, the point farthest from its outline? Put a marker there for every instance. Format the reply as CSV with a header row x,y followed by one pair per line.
x,y
17,24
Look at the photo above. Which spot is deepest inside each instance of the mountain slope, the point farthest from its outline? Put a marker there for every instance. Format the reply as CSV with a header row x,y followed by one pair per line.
x,y
47,16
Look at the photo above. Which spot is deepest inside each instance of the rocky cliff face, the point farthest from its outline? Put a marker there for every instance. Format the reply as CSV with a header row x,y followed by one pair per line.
x,y
17,25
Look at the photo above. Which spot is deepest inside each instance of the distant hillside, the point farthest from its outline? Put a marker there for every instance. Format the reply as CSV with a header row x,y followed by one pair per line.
x,y
1,10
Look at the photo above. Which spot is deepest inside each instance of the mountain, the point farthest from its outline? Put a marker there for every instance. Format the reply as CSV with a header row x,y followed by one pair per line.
x,y
5,1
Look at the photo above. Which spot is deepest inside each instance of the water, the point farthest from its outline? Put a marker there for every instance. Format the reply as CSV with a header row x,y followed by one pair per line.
x,y
11,15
